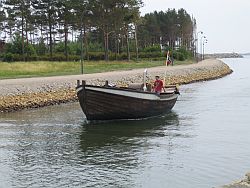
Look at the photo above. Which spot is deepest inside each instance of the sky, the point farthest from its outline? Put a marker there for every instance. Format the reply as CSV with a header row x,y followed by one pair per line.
x,y
225,23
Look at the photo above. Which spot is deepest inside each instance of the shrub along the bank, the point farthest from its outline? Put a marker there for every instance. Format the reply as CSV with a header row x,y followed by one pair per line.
x,y
59,57
94,56
9,57
179,56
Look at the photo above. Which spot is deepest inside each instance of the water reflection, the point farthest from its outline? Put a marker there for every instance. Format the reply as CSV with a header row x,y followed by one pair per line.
x,y
121,150
97,135
59,114
55,145
204,142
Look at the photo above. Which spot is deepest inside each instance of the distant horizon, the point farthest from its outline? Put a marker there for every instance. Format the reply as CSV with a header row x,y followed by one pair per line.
x,y
225,25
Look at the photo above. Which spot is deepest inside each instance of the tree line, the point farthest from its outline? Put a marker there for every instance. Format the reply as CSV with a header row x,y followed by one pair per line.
x,y
92,29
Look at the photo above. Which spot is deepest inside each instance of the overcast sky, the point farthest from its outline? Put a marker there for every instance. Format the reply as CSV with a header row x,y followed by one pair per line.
x,y
225,23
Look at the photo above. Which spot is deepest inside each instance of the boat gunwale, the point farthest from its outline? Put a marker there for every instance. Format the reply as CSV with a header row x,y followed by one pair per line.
x,y
128,89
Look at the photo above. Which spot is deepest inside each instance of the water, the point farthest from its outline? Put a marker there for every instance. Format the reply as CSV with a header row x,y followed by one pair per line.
x,y
204,142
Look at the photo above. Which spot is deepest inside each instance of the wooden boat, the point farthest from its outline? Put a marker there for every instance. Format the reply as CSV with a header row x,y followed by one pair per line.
x,y
132,102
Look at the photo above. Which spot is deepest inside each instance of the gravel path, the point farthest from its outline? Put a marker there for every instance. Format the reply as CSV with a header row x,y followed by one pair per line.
x,y
47,84
18,94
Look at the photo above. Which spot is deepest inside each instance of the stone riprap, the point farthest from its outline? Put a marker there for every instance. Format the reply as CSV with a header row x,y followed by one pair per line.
x,y
244,183
223,55
17,94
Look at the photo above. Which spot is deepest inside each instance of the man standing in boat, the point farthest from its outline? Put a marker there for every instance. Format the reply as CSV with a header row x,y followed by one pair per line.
x,y
158,85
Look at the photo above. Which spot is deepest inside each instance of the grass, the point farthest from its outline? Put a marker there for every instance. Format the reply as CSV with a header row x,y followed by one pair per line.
x,y
45,68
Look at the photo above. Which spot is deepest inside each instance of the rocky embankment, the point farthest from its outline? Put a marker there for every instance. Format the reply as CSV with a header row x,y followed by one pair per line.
x,y
18,94
223,55
244,183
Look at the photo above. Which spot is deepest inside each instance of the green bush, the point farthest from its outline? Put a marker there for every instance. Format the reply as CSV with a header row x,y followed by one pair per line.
x,y
96,56
29,50
121,56
71,48
93,56
8,57
186,53
95,47
15,51
144,55
178,56
74,58
31,58
59,57
154,48
17,57
40,47
16,47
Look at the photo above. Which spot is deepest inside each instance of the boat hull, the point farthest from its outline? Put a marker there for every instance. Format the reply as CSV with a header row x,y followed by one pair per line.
x,y
101,103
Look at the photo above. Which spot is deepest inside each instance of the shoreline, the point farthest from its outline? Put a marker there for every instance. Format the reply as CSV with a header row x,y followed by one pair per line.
x,y
25,93
243,183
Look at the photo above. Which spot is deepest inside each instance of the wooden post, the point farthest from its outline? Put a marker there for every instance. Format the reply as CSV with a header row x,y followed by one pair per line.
x,y
83,82
106,83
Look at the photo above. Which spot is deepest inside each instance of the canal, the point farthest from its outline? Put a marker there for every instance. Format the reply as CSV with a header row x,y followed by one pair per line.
x,y
204,142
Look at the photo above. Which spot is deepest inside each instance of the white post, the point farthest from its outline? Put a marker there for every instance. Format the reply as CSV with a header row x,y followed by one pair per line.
x,y
144,80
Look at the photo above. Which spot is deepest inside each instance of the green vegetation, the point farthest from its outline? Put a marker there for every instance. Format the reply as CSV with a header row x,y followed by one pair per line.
x,y
46,38
41,68
63,30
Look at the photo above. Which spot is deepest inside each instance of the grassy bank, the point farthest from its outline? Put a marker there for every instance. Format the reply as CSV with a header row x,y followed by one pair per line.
x,y
45,68
34,93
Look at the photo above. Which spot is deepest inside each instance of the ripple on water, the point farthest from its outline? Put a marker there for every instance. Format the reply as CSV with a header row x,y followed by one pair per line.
x,y
204,143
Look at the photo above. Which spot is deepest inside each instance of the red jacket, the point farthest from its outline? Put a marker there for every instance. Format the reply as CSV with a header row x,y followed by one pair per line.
x,y
158,85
